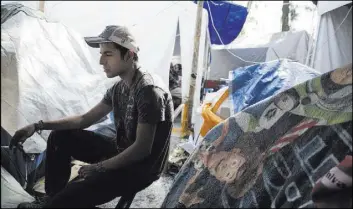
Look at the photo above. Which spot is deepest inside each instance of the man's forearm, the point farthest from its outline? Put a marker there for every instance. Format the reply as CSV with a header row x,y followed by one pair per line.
x,y
74,122
131,155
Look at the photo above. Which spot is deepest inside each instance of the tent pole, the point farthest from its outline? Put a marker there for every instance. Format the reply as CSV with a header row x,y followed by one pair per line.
x,y
188,107
41,6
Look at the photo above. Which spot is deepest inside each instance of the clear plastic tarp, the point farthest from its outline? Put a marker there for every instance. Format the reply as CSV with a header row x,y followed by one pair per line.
x,y
46,73
12,193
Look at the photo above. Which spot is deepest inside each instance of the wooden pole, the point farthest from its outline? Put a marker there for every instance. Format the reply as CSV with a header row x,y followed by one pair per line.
x,y
41,6
187,111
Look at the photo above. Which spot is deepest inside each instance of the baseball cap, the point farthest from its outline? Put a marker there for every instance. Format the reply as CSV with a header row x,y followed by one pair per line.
x,y
116,34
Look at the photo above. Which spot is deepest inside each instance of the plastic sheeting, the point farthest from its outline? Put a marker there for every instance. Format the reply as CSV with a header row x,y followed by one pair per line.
x,y
228,19
250,85
293,45
154,26
12,193
46,74
334,41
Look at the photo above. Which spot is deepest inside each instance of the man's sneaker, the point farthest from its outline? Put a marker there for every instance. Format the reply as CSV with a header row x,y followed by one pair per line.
x,y
38,203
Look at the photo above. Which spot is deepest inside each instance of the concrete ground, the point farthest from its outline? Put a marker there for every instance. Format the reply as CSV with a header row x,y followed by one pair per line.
x,y
153,196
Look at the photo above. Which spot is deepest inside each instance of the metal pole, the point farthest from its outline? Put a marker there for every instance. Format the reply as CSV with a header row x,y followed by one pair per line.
x,y
187,111
41,6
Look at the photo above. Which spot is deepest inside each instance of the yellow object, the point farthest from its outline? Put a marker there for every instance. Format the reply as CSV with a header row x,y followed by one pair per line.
x,y
184,121
210,119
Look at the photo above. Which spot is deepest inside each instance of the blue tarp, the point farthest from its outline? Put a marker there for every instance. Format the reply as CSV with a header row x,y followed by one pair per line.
x,y
252,84
228,19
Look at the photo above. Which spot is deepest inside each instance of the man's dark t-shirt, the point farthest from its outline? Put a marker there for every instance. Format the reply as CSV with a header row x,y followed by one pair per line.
x,y
143,102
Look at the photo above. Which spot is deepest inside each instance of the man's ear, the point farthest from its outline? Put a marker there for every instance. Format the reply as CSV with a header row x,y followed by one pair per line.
x,y
129,55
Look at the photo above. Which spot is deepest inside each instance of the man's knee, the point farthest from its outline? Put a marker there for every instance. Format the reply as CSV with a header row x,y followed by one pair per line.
x,y
59,137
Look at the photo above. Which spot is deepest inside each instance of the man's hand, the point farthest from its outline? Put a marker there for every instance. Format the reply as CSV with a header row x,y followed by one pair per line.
x,y
21,135
90,170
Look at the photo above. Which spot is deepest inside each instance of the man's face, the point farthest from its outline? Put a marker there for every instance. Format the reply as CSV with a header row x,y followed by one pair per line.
x,y
111,60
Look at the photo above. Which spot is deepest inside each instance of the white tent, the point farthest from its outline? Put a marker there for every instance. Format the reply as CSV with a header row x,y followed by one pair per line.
x,y
249,50
46,73
333,46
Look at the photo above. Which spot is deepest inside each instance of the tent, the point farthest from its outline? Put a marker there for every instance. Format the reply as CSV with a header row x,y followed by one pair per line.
x,y
250,50
333,45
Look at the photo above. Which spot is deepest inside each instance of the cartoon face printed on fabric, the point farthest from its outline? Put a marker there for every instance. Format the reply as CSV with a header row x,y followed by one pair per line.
x,y
220,163
237,190
328,91
281,104
225,165
327,98
248,173
343,75
287,100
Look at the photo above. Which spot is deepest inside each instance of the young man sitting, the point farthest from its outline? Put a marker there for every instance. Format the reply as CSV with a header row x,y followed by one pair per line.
x,y
135,158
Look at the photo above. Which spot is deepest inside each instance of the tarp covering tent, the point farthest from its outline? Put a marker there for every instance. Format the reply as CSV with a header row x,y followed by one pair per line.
x,y
272,154
46,73
11,191
293,45
333,45
154,25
